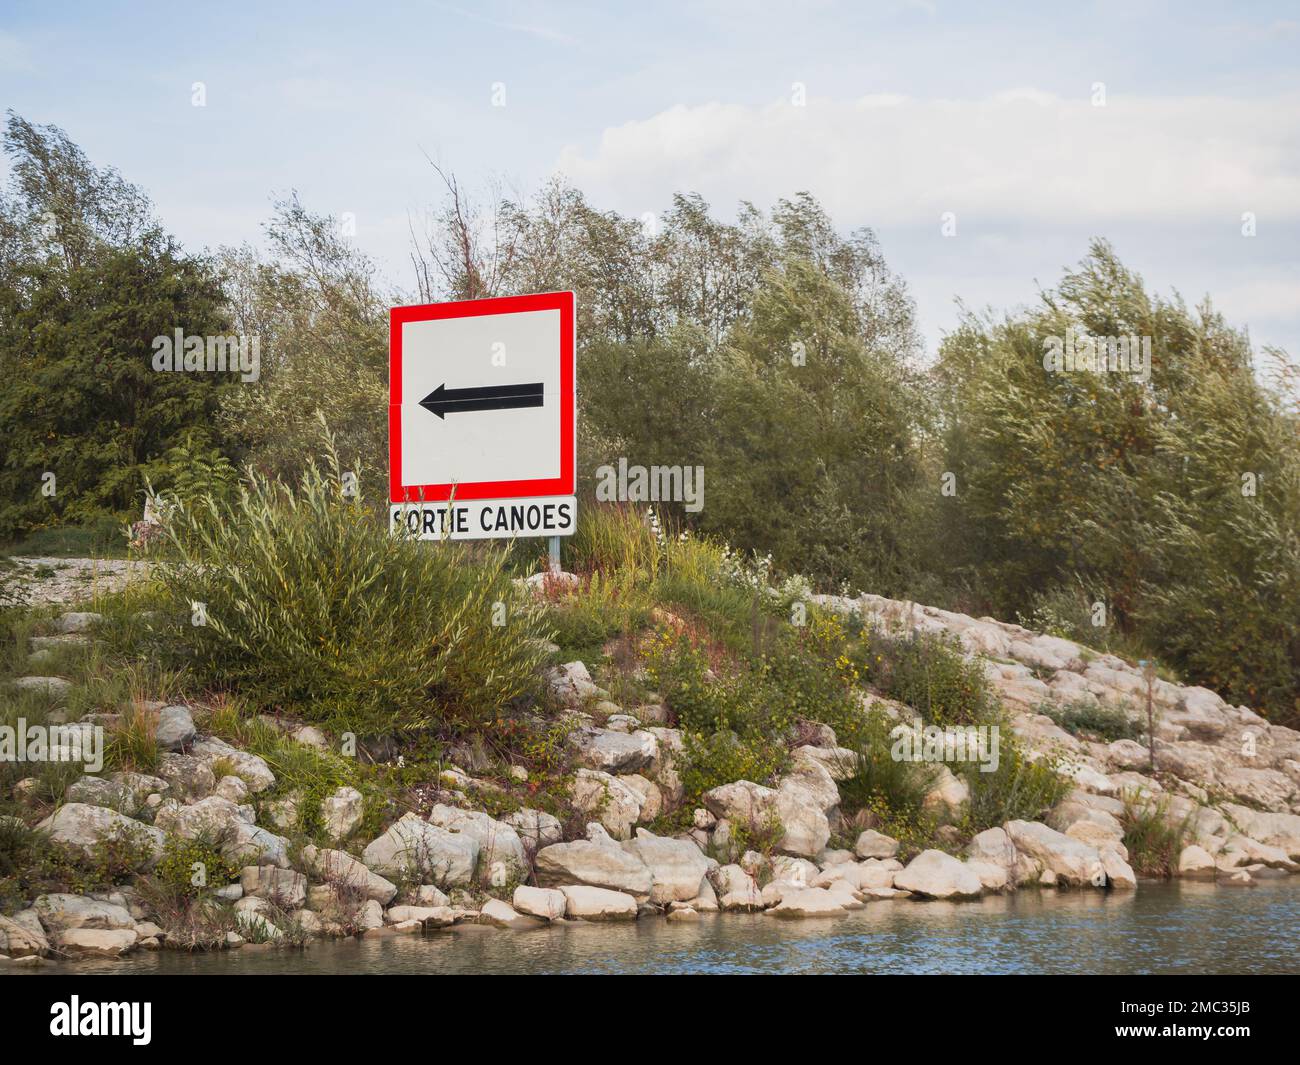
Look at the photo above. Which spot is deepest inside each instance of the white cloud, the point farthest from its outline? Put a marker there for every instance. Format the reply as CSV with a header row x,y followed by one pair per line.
x,y
1023,155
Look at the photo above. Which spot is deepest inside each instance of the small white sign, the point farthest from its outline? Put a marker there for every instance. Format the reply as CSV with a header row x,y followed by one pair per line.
x,y
487,519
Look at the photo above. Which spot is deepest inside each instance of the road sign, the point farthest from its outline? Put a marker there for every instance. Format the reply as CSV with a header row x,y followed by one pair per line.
x,y
481,418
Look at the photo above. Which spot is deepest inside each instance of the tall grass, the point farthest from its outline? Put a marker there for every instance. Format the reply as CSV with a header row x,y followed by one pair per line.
x,y
1154,839
309,603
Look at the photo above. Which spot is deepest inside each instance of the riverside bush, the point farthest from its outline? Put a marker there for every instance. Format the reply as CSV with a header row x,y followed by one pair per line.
x,y
310,603
929,674
1018,790
890,791
739,714
1153,838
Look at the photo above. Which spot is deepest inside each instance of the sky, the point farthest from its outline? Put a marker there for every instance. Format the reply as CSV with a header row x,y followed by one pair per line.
x,y
1029,127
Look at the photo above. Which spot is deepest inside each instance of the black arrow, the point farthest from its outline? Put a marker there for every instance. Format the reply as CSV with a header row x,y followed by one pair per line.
x,y
443,400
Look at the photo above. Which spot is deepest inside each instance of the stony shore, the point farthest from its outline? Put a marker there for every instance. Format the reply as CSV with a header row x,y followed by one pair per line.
x,y
1226,773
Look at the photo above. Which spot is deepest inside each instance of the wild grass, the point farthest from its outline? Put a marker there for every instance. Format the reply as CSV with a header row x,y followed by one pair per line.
x,y
310,604
1153,837
1107,723
1020,789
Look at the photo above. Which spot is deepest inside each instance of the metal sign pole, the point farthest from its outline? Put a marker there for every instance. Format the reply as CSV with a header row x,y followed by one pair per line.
x,y
555,554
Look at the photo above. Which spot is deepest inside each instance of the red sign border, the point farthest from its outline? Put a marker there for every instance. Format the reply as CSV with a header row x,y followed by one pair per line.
x,y
563,485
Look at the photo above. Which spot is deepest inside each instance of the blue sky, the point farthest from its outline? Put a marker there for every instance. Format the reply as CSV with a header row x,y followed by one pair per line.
x,y
913,109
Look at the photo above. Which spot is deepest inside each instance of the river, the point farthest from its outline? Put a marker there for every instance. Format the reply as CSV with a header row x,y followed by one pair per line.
x,y
1160,928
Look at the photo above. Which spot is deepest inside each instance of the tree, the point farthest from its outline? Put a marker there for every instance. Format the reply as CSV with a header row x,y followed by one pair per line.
x,y
1170,496
84,417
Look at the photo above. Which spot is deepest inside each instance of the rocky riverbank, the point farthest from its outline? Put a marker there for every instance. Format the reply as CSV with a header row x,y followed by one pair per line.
x,y
1224,774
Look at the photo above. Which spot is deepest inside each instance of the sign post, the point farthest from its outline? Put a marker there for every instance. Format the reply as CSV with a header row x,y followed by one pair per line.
x,y
482,419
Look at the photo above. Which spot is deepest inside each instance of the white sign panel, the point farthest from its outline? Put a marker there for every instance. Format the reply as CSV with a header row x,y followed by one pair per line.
x,y
482,417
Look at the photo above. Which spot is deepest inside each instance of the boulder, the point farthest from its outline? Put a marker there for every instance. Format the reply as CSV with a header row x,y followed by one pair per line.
x,y
808,902
585,903
370,916
341,812
815,777
536,828
936,875
232,788
571,684
707,901
648,792
594,864
789,867
189,777
1241,850
413,848
1096,835
61,912
1072,861
993,877
736,889
873,844
310,736
676,866
947,795
1119,874
175,730
546,903
743,802
502,915
1268,788
501,853
993,845
53,688
96,791
252,769
426,916
284,887
1201,712
83,827
97,943
607,797
224,821
840,762
1281,830
19,940
611,751
798,809
1196,863
834,856
77,621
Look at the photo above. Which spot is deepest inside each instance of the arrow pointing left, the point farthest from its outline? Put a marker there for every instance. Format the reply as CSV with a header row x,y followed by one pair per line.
x,y
443,400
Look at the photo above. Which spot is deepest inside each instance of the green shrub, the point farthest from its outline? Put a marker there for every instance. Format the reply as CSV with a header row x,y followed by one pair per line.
x,y
734,722
1018,790
1153,838
891,789
930,674
1095,719
311,604
194,867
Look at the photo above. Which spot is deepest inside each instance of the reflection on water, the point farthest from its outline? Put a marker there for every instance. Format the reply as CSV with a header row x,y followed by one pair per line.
x,y
1161,928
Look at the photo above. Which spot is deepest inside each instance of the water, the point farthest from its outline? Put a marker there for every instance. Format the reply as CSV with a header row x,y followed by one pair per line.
x,y
1160,928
